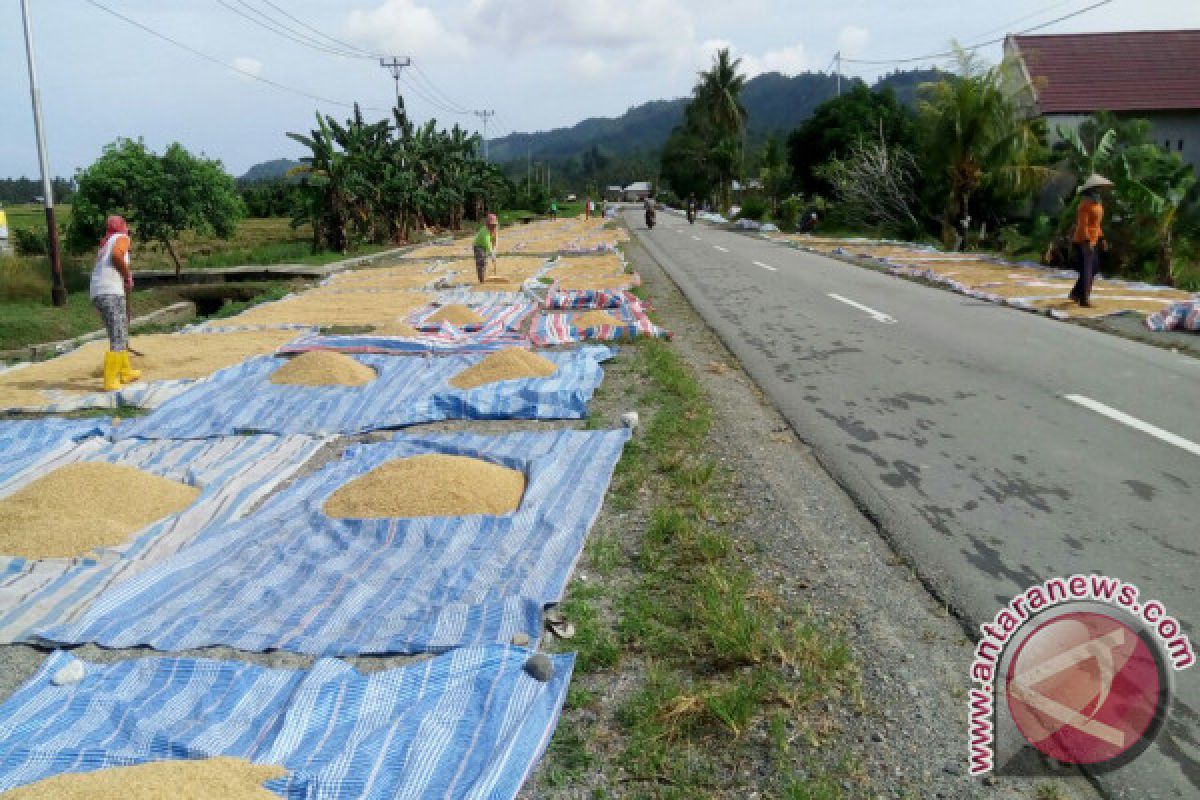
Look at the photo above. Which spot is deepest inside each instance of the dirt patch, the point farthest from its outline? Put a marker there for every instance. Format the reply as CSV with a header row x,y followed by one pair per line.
x,y
505,365
322,368
456,315
204,779
429,486
184,356
81,507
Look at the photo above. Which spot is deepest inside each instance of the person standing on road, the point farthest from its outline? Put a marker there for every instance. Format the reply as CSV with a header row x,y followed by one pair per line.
x,y
1088,237
553,210
484,246
588,206
691,209
112,281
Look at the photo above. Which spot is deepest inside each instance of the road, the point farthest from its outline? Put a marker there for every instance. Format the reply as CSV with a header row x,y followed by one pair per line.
x,y
994,448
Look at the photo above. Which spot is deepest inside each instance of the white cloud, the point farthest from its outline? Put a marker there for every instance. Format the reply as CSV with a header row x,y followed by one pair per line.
x,y
787,60
618,26
853,41
251,66
588,64
402,27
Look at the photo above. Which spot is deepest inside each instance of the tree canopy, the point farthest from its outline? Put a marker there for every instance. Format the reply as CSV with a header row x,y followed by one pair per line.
x,y
159,196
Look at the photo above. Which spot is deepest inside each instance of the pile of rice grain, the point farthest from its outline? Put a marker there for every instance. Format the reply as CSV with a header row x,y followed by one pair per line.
x,y
455,314
77,508
401,329
594,319
323,368
429,486
509,364
203,779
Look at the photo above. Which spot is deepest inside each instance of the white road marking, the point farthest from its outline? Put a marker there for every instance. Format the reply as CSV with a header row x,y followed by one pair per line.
x,y
1135,423
878,316
718,247
765,266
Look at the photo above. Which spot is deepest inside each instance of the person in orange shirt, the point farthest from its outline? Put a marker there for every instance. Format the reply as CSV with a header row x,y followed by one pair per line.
x,y
1088,237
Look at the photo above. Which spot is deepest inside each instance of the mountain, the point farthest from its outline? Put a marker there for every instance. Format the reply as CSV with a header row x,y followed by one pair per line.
x,y
776,104
268,171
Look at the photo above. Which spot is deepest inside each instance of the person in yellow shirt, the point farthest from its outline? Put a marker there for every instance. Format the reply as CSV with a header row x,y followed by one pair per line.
x,y
1088,237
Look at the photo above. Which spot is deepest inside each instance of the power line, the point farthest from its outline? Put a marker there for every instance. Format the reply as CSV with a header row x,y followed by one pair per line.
x,y
322,34
437,90
283,31
219,62
1039,13
948,53
438,105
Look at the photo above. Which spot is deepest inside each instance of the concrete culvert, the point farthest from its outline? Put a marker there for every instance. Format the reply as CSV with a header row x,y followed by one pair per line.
x,y
200,779
509,364
429,486
77,508
322,368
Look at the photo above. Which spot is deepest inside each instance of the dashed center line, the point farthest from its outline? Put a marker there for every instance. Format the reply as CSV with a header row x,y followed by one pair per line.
x,y
878,316
1135,423
695,238
765,266
718,247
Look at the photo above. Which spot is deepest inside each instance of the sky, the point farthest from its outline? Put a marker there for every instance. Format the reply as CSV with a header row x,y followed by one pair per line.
x,y
539,64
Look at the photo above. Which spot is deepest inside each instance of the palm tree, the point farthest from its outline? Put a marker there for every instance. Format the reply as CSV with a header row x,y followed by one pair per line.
x,y
976,137
717,107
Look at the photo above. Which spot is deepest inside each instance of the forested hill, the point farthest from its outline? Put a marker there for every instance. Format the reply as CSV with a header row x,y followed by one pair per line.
x,y
776,103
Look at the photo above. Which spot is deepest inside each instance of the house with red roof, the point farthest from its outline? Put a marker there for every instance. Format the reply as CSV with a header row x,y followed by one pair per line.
x,y
1152,75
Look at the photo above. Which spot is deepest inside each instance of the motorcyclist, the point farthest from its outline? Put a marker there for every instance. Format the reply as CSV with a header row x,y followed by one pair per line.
x,y
648,204
691,209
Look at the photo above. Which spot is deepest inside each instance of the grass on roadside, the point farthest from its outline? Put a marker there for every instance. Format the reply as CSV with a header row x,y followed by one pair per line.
x,y
721,655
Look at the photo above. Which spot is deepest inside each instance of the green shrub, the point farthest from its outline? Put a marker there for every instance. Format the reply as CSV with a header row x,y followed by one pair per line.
x,y
29,242
754,208
787,216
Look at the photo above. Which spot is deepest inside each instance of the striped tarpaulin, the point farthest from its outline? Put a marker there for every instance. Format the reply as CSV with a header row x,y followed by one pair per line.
x,y
143,394
470,724
560,328
23,443
506,316
584,299
1178,317
407,391
233,473
290,578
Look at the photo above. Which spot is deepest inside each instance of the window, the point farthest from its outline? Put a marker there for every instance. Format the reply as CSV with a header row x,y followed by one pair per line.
x,y
1181,145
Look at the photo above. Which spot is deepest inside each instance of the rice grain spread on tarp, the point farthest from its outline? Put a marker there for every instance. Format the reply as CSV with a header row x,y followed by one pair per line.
x,y
178,356
595,319
429,486
505,365
80,507
322,368
199,779
456,315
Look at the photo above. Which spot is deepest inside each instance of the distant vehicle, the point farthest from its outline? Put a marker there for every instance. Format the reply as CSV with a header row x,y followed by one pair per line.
x,y
571,198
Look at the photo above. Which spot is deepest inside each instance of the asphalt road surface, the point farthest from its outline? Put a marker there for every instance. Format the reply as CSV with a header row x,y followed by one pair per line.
x,y
995,448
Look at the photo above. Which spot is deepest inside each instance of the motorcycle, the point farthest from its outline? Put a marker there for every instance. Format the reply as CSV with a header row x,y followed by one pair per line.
x,y
691,216
650,218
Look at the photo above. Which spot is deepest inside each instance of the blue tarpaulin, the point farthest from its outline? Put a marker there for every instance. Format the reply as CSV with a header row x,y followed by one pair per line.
x,y
23,443
233,474
407,391
469,724
290,578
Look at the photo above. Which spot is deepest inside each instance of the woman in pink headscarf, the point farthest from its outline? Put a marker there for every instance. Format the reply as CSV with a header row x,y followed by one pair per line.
x,y
112,280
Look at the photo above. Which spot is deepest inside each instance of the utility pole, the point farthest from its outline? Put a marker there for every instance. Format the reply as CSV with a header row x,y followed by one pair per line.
x,y
485,115
58,290
837,69
528,170
396,66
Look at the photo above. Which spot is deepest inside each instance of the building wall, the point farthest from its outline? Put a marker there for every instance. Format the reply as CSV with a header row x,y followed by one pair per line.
x,y
1167,128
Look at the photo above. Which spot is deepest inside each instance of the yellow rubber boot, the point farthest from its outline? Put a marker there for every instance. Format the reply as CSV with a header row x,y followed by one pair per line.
x,y
128,374
112,371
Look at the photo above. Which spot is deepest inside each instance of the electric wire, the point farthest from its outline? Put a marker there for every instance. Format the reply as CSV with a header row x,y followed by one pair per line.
x,y
284,32
437,91
322,34
971,48
213,59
